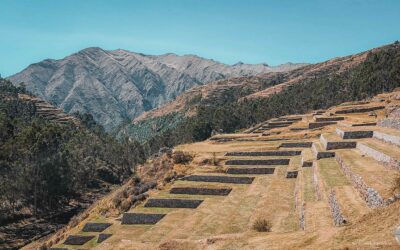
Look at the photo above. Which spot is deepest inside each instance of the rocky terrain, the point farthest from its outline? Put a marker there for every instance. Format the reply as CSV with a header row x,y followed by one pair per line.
x,y
118,85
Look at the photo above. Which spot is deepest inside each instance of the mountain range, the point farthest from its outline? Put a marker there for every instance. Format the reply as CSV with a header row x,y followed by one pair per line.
x,y
118,85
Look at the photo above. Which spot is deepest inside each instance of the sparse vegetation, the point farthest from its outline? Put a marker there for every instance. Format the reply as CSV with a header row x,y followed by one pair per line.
x,y
396,184
262,225
181,157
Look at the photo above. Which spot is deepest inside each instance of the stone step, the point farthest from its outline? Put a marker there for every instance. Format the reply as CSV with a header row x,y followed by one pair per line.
x,y
354,134
382,152
219,179
372,180
141,218
312,125
319,152
328,118
332,141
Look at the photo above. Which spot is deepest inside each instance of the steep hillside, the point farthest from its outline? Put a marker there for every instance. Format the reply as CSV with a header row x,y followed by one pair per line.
x,y
52,165
118,85
328,179
237,103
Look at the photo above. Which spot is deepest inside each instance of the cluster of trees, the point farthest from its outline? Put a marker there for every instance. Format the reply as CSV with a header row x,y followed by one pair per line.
x,y
43,165
380,72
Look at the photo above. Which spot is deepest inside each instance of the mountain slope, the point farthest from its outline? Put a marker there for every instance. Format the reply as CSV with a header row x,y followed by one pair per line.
x,y
240,102
115,86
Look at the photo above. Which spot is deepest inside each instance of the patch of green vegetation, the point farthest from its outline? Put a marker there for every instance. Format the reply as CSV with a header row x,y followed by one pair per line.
x,y
331,173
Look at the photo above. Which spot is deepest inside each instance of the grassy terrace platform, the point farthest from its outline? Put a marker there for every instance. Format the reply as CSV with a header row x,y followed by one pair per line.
x,y
351,204
373,174
383,152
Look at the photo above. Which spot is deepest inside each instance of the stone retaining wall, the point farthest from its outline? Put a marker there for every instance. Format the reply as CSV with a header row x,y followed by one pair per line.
x,y
354,134
329,119
140,218
302,217
219,179
321,154
200,191
173,203
95,227
370,195
296,145
329,145
78,239
312,125
265,153
387,138
250,170
258,162
379,156
316,183
103,237
359,110
338,218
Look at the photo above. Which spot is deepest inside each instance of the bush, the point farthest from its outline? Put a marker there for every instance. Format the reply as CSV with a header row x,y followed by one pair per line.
x,y
262,225
180,157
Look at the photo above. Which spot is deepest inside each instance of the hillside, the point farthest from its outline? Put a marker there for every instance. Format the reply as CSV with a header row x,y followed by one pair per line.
x,y
118,85
53,165
237,103
327,179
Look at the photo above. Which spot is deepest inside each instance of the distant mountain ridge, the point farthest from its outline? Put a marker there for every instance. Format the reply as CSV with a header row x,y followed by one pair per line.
x,y
118,85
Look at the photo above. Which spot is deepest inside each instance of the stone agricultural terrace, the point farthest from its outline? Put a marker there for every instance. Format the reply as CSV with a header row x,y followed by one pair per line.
x,y
323,180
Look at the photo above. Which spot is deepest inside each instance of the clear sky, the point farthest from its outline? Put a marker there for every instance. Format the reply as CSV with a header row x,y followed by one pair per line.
x,y
252,31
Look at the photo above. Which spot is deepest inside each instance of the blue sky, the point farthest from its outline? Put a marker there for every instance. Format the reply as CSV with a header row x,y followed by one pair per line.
x,y
252,31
